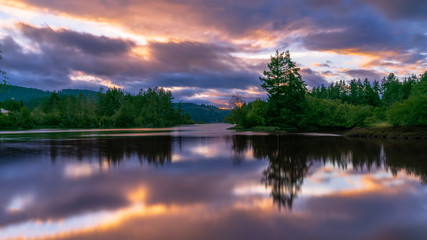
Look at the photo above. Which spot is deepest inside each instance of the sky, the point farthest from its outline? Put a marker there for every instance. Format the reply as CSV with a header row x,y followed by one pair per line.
x,y
204,51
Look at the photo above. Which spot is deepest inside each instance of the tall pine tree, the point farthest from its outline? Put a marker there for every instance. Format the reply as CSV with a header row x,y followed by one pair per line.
x,y
286,91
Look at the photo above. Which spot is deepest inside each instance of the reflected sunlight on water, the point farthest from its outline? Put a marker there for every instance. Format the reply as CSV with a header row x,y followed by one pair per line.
x,y
212,183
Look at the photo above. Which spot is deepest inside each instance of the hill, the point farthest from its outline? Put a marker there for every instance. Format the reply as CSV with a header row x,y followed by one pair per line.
x,y
29,94
76,92
33,97
204,113
21,93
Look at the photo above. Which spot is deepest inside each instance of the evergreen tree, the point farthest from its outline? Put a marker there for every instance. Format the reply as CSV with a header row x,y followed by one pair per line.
x,y
370,94
390,90
286,91
411,111
239,111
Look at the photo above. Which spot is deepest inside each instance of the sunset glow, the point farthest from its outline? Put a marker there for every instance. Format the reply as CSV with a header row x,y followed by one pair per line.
x,y
199,48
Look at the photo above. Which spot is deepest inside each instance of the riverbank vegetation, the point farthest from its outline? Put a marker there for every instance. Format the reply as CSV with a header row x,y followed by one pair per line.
x,y
340,106
111,108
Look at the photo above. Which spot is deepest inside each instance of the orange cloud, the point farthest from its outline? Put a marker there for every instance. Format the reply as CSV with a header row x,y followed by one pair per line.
x,y
150,18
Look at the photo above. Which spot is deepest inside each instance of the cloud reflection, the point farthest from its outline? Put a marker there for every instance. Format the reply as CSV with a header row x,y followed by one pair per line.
x,y
362,186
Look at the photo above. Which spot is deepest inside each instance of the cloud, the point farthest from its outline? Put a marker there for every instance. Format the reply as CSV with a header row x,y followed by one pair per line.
x,y
64,59
362,73
311,78
221,18
401,9
326,65
366,33
348,23
82,42
200,44
191,56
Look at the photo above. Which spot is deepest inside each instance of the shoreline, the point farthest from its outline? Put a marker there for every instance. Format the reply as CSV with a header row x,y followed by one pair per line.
x,y
409,133
83,129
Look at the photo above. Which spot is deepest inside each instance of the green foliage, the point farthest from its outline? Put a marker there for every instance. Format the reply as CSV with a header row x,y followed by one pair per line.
x,y
420,88
158,109
328,113
12,105
25,119
151,108
413,111
4,121
109,102
203,113
339,105
22,93
256,113
33,97
359,114
370,95
249,115
125,116
239,116
396,91
238,112
356,92
359,92
286,92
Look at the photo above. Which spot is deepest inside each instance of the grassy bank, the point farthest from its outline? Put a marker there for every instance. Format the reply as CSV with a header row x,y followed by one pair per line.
x,y
379,131
389,132
239,128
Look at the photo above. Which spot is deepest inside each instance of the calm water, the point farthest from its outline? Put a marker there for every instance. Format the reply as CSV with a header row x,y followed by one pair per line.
x,y
206,182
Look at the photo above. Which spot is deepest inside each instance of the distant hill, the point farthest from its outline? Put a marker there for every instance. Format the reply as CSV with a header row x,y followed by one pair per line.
x,y
33,97
28,94
21,93
204,113
76,92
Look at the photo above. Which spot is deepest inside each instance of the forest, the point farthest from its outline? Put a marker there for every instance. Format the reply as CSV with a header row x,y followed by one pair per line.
x,y
341,105
204,113
289,105
110,108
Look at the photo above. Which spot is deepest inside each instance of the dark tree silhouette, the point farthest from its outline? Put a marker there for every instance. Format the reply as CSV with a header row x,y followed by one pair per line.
x,y
286,91
114,108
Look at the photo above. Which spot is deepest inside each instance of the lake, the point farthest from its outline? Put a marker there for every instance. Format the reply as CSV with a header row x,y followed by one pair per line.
x,y
207,182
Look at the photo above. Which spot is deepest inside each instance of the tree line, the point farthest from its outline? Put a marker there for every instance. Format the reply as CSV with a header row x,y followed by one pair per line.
x,y
356,103
111,108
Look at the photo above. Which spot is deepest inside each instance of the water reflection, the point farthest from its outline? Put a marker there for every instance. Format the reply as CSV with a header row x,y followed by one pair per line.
x,y
291,156
212,187
155,150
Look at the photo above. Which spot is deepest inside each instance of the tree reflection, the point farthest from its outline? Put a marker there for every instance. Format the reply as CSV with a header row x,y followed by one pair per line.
x,y
155,150
285,175
407,155
286,169
239,145
290,158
